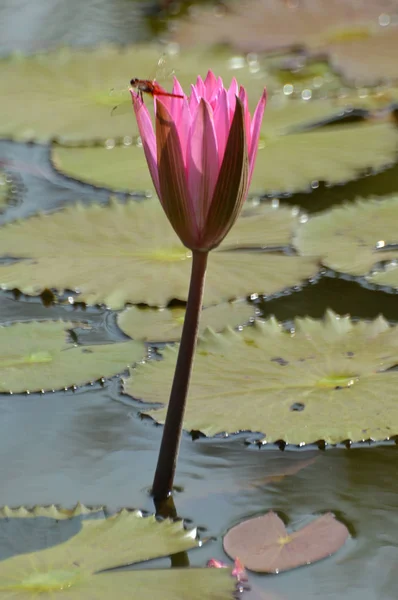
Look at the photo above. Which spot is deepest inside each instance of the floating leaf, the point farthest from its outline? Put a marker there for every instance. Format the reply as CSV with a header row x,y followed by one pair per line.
x,y
264,545
53,512
165,325
334,155
102,544
76,90
291,163
370,60
37,356
328,380
128,252
261,25
355,238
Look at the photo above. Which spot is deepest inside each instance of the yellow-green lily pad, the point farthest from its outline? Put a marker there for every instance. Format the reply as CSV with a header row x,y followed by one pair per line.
x,y
355,238
73,568
333,155
75,91
327,380
37,356
165,324
52,512
128,252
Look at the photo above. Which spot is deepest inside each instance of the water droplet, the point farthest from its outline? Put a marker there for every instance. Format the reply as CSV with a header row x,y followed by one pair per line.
x,y
314,185
380,244
306,94
384,19
288,89
110,144
236,62
275,202
127,140
303,219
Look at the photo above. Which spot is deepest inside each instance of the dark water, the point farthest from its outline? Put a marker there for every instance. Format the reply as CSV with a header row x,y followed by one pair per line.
x,y
92,446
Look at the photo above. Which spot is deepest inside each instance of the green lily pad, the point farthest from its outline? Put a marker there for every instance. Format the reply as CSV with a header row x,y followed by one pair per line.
x,y
37,356
333,155
75,91
355,238
52,512
327,380
71,568
165,325
128,252
290,163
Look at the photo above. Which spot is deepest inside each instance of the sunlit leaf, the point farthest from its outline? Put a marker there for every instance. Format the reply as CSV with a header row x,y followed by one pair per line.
x,y
75,91
261,25
102,544
328,380
128,252
290,163
285,163
370,60
52,512
165,325
355,238
38,356
264,545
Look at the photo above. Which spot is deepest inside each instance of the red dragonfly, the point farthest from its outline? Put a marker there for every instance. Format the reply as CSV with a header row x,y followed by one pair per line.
x,y
146,86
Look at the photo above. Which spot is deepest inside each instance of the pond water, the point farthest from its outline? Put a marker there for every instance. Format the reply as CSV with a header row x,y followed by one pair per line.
x,y
91,445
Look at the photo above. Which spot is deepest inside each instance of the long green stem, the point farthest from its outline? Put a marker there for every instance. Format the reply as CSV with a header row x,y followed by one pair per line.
x,y
167,460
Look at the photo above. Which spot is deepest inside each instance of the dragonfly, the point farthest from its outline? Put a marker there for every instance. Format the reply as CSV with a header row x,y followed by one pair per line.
x,y
146,86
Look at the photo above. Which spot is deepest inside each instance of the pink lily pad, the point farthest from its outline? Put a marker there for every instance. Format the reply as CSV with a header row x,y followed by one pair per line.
x,y
264,545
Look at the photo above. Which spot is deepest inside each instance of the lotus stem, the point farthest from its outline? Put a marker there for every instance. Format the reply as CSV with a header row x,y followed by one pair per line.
x,y
169,447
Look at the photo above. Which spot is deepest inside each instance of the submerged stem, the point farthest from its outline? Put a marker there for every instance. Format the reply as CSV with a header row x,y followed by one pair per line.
x,y
168,453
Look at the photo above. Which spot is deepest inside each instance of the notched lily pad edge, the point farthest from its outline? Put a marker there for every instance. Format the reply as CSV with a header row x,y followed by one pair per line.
x,y
361,280
258,438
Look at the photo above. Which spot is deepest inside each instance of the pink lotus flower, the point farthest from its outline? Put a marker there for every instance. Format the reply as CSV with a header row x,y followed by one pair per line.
x,y
202,156
201,160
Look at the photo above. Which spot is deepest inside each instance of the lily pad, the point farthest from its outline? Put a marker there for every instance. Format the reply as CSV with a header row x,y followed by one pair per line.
x,y
52,512
264,545
165,325
128,252
355,238
261,25
37,356
368,61
334,155
76,90
74,564
328,380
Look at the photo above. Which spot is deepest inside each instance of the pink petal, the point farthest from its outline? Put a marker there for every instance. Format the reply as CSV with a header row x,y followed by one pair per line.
x,y
243,97
232,93
202,164
211,86
221,124
174,194
255,132
200,87
148,139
